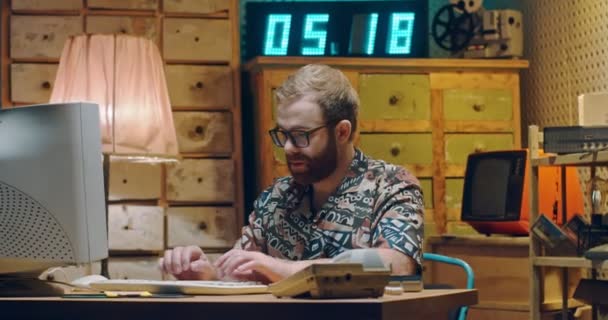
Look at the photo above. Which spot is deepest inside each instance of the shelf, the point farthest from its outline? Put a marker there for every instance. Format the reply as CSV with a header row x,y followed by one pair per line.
x,y
574,159
569,262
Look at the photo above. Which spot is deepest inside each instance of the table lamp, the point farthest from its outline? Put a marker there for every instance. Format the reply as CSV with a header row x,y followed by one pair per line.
x,y
125,76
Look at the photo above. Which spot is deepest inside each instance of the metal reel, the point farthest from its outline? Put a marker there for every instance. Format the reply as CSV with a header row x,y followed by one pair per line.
x,y
453,28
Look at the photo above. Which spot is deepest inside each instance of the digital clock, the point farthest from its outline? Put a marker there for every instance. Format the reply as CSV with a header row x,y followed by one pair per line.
x,y
343,29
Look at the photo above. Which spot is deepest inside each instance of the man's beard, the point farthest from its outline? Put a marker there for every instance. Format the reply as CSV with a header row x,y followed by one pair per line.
x,y
318,167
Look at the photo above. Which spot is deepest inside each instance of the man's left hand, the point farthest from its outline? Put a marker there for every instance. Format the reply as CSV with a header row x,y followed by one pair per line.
x,y
253,266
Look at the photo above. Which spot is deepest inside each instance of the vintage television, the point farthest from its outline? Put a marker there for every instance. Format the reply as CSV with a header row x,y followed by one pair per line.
x,y
52,207
496,193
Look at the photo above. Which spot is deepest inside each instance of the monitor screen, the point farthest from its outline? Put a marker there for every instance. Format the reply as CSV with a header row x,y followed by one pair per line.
x,y
52,207
494,186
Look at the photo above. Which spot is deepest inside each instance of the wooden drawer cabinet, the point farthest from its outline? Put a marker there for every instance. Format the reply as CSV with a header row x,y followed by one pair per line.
x,y
32,83
134,181
137,26
41,5
201,180
203,132
135,228
394,97
207,227
135,268
124,4
41,36
197,39
425,114
192,87
196,6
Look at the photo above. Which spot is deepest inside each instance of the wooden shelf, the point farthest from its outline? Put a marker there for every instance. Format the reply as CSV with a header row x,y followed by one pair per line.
x,y
569,262
574,159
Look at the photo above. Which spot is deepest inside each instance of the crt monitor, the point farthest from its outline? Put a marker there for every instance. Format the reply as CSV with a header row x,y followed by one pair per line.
x,y
496,193
52,204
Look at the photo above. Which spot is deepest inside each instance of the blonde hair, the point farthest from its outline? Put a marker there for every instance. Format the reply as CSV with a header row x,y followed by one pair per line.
x,y
325,86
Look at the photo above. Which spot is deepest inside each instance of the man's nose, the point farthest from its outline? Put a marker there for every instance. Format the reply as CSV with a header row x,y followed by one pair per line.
x,y
289,147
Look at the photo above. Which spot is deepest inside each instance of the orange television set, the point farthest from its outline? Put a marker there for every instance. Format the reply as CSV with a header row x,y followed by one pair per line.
x,y
496,194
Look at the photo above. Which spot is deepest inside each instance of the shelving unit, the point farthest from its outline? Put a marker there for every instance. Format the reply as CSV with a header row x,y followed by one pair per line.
x,y
538,260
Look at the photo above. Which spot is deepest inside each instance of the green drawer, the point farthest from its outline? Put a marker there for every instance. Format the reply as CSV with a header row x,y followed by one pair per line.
x,y
399,148
427,190
394,97
459,146
477,104
453,192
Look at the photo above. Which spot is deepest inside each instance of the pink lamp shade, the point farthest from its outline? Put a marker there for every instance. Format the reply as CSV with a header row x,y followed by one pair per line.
x,y
124,75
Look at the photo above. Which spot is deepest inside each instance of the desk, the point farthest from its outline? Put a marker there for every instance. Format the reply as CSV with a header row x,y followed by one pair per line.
x,y
428,304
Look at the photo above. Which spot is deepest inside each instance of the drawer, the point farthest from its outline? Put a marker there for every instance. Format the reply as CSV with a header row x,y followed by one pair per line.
x,y
207,227
196,6
203,131
427,191
401,149
137,26
40,36
32,83
394,96
200,86
135,268
459,146
197,39
206,180
123,4
453,194
44,5
135,228
477,104
134,181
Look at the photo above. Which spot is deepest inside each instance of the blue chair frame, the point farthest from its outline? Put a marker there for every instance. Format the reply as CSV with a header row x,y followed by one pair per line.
x,y
457,262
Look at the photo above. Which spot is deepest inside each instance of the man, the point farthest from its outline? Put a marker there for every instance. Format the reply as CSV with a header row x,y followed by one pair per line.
x,y
336,198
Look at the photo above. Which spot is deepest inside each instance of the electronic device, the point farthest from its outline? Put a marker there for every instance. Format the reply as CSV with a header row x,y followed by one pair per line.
x,y
337,28
198,287
356,273
496,192
592,109
575,139
466,29
52,209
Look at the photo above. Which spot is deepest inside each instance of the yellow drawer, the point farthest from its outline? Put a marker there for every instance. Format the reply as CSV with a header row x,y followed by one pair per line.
x,y
453,193
201,180
123,4
403,149
427,190
459,146
138,26
200,86
206,227
43,5
196,6
31,82
394,96
477,104
199,132
197,39
41,36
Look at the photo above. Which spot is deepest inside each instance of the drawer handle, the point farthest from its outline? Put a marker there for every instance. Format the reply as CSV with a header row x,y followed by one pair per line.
x,y
123,30
45,37
200,85
479,149
199,180
202,226
393,100
395,149
46,85
200,130
478,107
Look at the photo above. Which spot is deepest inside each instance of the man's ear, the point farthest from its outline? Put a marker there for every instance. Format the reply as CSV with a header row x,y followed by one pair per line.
x,y
343,129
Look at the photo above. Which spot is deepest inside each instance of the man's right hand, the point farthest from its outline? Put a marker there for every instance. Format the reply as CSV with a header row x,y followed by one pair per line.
x,y
187,263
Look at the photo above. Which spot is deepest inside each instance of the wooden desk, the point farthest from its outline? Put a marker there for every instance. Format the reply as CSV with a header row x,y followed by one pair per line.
x,y
428,304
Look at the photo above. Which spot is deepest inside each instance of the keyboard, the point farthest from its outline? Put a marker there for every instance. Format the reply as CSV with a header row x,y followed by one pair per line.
x,y
181,287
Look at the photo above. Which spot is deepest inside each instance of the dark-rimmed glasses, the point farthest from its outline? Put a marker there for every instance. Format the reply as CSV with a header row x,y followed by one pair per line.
x,y
299,138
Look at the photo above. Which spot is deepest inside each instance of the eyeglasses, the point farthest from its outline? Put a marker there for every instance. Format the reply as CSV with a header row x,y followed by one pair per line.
x,y
299,138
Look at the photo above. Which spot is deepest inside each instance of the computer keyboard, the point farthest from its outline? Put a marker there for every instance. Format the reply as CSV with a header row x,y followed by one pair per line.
x,y
183,287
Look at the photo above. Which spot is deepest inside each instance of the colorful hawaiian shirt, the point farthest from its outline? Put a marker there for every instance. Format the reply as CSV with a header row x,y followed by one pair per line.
x,y
378,205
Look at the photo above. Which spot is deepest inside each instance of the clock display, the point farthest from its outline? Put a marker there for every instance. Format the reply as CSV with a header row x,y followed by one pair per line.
x,y
373,29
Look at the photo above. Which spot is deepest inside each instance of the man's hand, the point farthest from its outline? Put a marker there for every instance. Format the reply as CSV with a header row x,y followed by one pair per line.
x,y
187,263
254,266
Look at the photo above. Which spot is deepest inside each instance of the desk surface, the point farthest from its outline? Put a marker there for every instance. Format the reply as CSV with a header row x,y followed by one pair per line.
x,y
432,304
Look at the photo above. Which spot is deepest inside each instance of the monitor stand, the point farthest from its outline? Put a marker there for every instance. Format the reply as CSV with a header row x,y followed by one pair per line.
x,y
11,286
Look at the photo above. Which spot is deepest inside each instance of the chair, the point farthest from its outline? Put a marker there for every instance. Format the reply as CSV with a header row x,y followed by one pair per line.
x,y
462,314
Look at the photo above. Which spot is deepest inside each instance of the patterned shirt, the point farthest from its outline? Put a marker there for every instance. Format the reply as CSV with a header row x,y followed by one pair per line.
x,y
377,205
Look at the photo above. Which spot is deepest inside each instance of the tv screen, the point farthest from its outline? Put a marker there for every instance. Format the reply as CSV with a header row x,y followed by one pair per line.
x,y
493,186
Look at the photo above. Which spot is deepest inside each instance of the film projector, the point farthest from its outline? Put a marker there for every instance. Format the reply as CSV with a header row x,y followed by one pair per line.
x,y
467,30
